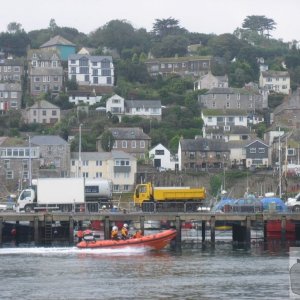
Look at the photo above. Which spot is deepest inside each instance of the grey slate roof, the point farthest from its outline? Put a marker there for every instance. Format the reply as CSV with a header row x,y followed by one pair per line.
x,y
42,104
42,54
47,71
48,140
102,155
90,57
143,103
128,133
272,73
233,130
57,40
203,145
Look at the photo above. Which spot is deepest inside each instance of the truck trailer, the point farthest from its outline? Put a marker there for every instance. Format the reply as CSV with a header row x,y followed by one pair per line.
x,y
65,193
52,193
150,198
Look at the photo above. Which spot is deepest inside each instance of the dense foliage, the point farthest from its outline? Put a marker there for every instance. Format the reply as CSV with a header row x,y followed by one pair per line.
x,y
235,54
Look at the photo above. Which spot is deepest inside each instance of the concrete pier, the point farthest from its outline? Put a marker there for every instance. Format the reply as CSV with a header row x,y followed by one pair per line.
x,y
41,223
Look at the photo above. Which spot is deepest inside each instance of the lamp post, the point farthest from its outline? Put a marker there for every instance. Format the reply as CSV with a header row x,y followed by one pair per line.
x,y
29,170
79,152
224,157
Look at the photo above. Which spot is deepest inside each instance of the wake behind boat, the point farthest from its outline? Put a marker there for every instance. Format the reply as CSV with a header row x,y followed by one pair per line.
x,y
155,241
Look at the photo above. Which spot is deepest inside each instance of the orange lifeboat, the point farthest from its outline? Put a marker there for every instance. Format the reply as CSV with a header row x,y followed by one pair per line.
x,y
155,241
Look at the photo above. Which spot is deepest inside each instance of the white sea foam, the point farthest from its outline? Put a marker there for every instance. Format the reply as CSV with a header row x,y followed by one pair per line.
x,y
70,250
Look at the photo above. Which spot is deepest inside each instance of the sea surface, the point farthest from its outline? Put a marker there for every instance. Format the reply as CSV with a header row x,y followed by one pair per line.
x,y
222,272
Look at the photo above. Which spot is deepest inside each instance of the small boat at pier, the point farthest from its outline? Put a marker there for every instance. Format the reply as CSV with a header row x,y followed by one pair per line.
x,y
155,241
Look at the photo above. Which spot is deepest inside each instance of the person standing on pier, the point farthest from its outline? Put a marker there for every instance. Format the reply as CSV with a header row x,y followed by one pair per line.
x,y
115,233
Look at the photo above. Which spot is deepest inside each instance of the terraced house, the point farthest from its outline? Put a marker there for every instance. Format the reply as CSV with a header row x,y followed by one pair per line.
x,y
45,72
184,66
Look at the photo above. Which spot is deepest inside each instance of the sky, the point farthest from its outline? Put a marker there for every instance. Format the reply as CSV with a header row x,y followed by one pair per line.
x,y
202,16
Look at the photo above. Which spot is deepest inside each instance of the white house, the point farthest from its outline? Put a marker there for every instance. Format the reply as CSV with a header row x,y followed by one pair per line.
x,y
86,97
277,81
150,109
162,158
91,70
116,105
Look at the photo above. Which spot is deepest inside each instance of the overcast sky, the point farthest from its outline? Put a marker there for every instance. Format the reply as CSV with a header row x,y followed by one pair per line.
x,y
203,16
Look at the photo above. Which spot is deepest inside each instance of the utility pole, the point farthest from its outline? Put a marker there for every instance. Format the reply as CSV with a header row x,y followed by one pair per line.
x,y
79,152
30,169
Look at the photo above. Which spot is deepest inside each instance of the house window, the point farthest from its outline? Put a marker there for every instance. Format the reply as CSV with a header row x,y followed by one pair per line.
x,y
192,155
85,162
252,150
142,144
73,70
124,144
159,152
238,96
95,72
85,174
214,96
55,78
54,112
209,119
83,62
116,188
227,96
106,72
162,66
7,163
214,104
95,80
105,64
108,80
25,175
291,152
9,175
44,112
84,70
98,163
73,163
94,64
122,162
227,104
238,104
73,61
115,144
126,188
241,119
86,78
133,144
98,174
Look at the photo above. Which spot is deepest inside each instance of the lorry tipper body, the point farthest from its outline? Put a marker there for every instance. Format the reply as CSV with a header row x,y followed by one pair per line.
x,y
146,194
63,193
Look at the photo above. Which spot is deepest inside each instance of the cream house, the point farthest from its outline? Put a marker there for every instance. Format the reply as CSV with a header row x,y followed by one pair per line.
x,y
42,112
118,166
277,81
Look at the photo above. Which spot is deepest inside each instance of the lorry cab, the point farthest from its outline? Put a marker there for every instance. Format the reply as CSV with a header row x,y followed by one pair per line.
x,y
141,194
26,197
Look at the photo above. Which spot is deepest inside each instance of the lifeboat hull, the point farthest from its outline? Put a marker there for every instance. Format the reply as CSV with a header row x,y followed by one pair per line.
x,y
155,241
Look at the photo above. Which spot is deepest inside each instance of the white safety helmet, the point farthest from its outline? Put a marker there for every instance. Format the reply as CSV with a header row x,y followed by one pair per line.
x,y
125,225
115,228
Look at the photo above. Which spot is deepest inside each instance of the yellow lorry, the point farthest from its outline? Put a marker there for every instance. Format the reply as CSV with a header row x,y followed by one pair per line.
x,y
149,198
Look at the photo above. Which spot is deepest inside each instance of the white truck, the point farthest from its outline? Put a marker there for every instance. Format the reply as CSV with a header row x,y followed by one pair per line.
x,y
52,193
294,203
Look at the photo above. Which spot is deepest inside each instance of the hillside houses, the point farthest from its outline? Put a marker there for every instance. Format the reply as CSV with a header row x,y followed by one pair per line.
x,y
233,98
149,109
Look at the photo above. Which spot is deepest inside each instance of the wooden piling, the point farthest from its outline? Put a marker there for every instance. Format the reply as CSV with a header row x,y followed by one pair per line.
x,y
71,230
1,228
178,235
142,224
283,229
212,230
203,231
36,230
106,228
248,230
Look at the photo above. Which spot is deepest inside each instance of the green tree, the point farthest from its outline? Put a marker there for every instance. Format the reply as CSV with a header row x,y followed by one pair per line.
x,y
259,24
107,141
165,27
14,27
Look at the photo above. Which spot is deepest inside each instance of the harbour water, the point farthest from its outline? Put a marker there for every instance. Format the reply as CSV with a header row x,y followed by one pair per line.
x,y
200,273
